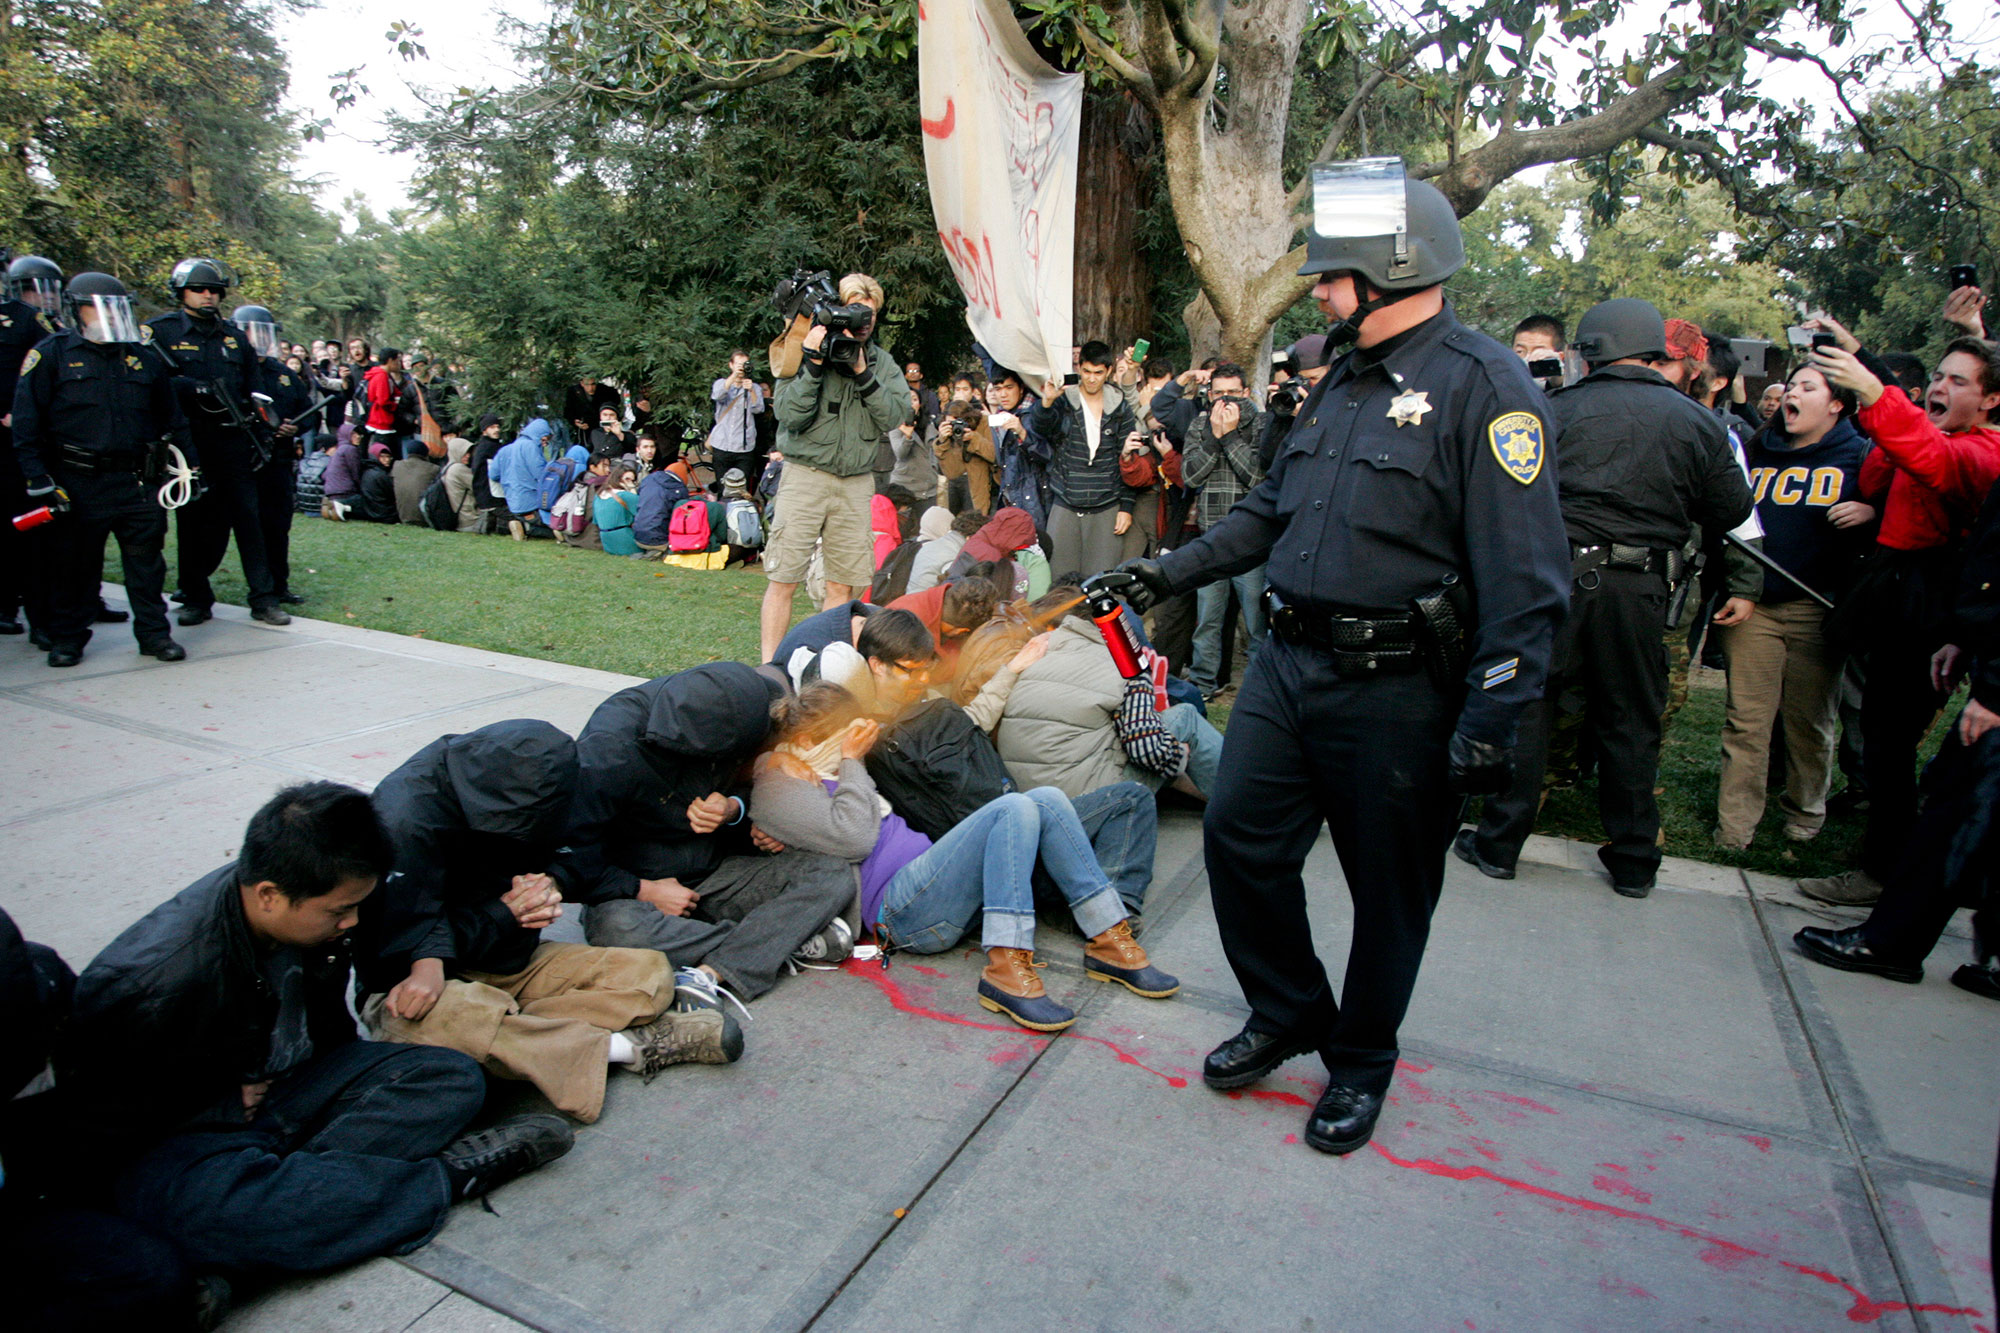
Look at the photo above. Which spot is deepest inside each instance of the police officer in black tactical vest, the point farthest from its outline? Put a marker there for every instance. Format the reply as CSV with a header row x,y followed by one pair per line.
x,y
28,314
277,480
1639,464
1416,577
215,373
90,411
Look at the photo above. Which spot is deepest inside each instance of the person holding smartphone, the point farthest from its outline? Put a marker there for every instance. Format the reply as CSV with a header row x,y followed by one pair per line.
x,y
1091,426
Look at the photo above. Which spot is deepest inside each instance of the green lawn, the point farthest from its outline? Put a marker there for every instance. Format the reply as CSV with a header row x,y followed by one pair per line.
x,y
542,600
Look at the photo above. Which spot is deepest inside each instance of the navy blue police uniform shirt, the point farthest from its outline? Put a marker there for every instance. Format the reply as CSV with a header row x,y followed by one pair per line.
x,y
109,399
287,389
206,351
1423,456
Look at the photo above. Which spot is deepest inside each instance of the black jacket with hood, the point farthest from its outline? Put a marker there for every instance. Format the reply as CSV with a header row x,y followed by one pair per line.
x,y
465,814
647,752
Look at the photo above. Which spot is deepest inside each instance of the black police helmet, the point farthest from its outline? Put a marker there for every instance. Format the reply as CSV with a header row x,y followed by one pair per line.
x,y
96,284
252,314
200,273
1433,246
33,268
1615,329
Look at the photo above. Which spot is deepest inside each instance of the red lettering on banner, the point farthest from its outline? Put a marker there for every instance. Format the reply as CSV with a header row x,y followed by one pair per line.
x,y
941,127
975,272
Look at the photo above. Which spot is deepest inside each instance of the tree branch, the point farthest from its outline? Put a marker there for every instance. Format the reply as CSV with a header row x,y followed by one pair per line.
x,y
1140,82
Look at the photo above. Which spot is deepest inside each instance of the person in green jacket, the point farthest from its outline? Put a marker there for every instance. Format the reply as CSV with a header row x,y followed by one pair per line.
x,y
831,416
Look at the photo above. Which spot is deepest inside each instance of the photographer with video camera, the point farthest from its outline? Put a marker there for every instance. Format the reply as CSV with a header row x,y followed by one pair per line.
x,y
832,415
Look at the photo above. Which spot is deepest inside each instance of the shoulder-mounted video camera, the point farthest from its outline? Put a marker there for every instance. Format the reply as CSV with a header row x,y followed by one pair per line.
x,y
809,293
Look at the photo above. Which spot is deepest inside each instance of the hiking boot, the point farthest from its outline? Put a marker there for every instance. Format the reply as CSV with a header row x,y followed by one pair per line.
x,y
480,1163
830,948
695,989
1856,888
1116,956
681,1036
271,615
1010,986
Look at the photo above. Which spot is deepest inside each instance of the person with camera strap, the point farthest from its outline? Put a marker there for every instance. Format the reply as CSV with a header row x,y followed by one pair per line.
x,y
1223,457
1415,475
833,413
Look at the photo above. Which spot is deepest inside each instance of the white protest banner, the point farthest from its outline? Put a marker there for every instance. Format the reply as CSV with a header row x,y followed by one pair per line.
x,y
1000,144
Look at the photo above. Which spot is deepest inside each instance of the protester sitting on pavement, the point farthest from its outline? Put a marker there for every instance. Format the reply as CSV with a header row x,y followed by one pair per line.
x,y
461,485
449,950
377,501
411,477
616,510
942,536
1955,845
1008,537
839,624
662,854
813,790
950,611
267,1138
998,652
519,467
1805,475
1073,722
1928,474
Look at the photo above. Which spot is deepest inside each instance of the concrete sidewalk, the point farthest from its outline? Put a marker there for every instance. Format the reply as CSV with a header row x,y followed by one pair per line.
x,y
1611,1113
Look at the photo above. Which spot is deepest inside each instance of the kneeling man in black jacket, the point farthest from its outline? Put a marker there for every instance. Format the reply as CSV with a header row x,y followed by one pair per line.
x,y
213,1051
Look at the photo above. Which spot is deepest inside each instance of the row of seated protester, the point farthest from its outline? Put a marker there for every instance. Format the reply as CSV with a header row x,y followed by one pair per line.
x,y
315,1022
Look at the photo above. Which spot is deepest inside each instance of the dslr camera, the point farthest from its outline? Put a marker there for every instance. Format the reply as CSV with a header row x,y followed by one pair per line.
x,y
813,293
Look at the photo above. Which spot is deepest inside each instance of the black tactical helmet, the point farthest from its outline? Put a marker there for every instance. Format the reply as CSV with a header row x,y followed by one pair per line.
x,y
107,296
259,325
252,314
200,273
1431,248
1615,329
38,282
32,268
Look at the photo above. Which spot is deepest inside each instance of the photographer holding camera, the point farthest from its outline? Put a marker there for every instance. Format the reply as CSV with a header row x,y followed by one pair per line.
x,y
1224,458
832,416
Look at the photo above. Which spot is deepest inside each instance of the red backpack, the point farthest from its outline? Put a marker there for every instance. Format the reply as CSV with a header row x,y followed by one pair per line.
x,y
688,529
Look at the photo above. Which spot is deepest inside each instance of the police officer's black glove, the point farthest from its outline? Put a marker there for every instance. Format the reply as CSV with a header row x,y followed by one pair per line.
x,y
44,491
1478,768
1142,583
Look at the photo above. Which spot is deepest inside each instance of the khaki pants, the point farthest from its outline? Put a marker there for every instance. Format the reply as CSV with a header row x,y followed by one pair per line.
x,y
1779,666
549,1024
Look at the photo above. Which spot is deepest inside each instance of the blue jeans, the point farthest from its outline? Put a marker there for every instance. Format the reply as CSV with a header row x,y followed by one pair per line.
x,y
987,864
1204,744
339,1165
1211,602
1122,821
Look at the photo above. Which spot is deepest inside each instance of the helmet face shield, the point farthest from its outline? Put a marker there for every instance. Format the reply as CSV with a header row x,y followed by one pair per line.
x,y
44,294
263,337
106,319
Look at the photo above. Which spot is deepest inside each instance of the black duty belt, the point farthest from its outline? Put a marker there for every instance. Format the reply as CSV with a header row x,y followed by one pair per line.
x,y
69,458
1585,561
1357,646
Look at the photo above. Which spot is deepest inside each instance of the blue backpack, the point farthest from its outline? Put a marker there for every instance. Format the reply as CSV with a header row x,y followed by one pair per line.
x,y
557,480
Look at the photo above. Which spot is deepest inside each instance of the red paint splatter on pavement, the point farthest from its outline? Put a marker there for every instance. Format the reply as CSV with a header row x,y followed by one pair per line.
x,y
1725,1254
1758,1141
939,973
1613,1185
1268,1095
1291,1138
1528,1102
1618,1286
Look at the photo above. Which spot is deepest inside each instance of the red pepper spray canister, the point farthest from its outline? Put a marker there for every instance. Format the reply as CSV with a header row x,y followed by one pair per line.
x,y
1108,614
34,518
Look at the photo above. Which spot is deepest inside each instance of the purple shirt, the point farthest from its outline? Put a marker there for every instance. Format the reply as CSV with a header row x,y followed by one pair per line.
x,y
895,847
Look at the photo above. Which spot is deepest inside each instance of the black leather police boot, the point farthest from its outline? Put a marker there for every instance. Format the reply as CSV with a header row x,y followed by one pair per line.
x,y
167,651
1466,848
290,599
271,615
1247,1057
1979,978
194,615
1344,1119
65,655
1849,951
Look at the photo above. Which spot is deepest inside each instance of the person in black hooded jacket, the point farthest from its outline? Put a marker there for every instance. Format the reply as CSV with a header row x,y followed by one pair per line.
x,y
662,851
450,953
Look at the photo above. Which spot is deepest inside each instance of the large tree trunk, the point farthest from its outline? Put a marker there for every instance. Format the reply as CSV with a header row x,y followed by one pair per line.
x,y
1114,284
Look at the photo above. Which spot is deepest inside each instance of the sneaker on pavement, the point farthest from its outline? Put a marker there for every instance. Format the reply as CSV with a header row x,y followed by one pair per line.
x,y
1856,888
480,1163
696,989
830,948
681,1036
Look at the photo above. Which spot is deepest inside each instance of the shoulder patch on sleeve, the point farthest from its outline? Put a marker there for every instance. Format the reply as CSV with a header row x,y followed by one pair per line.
x,y
34,359
1516,438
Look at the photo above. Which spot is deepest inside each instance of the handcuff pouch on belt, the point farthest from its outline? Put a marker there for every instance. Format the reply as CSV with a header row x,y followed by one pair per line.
x,y
1443,621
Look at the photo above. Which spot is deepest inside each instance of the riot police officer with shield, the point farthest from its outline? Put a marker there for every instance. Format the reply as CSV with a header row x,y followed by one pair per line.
x,y
215,373
1640,463
1416,574
277,480
91,409
28,314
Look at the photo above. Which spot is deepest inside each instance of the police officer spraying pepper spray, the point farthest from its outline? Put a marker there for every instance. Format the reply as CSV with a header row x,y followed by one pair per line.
x,y
1639,463
277,479
1416,575
215,373
89,413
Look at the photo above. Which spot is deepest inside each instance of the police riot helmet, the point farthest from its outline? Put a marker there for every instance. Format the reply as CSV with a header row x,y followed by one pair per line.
x,y
36,281
100,309
260,326
201,273
1615,329
1355,228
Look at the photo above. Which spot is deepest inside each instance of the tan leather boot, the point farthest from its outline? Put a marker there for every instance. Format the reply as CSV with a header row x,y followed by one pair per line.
x,y
1116,956
1010,986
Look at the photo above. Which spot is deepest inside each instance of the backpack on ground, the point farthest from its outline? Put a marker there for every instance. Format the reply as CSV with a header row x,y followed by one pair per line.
x,y
688,530
435,507
570,515
893,579
742,524
934,767
557,478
